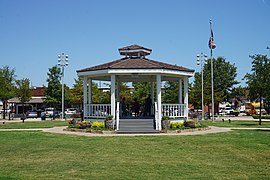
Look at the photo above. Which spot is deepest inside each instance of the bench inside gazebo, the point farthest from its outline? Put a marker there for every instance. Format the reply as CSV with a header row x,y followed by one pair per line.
x,y
135,67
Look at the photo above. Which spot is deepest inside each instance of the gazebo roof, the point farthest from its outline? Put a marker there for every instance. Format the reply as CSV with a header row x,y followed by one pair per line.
x,y
136,63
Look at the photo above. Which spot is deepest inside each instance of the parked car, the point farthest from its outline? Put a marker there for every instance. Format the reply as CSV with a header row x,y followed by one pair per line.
x,y
228,110
70,111
31,114
49,111
6,110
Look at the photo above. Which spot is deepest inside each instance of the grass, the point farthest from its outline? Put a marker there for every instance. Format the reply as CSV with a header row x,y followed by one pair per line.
x,y
237,123
35,124
240,154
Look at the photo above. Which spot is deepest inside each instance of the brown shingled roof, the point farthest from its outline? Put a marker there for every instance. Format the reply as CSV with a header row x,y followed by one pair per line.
x,y
135,63
134,47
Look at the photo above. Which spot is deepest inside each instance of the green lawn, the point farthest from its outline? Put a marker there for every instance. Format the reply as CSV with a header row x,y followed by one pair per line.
x,y
36,124
240,154
237,123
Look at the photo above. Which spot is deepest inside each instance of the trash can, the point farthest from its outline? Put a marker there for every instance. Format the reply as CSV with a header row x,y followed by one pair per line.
x,y
43,116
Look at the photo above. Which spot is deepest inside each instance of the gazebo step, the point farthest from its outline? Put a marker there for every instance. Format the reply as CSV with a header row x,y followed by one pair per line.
x,y
152,131
136,126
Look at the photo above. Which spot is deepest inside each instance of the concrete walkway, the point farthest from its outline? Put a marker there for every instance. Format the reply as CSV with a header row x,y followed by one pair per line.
x,y
60,130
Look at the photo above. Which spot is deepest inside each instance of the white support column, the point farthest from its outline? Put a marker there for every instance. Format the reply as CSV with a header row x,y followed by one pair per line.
x,y
152,96
89,91
159,101
118,90
180,98
113,95
186,96
85,96
89,95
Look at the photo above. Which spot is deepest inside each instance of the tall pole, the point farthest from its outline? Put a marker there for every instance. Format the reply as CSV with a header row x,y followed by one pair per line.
x,y
212,73
63,97
62,62
201,59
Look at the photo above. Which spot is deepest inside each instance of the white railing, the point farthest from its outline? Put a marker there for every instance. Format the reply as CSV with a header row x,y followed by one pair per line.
x,y
98,110
173,110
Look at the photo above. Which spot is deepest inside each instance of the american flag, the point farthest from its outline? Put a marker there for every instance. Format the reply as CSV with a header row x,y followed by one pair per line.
x,y
211,42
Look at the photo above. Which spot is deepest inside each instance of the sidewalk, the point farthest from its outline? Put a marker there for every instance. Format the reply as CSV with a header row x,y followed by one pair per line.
x,y
60,130
26,120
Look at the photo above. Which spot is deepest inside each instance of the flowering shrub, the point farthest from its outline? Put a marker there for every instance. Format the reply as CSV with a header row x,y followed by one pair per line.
x,y
176,125
98,125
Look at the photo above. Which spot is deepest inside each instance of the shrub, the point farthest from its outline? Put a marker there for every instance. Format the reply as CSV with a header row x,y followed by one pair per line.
x,y
165,118
98,125
109,117
177,125
190,124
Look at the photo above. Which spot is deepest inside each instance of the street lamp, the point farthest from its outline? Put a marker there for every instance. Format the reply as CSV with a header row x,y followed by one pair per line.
x,y
62,62
202,59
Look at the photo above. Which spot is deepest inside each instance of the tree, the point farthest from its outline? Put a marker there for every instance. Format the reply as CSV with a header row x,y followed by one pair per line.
x,y
7,85
54,90
23,91
224,80
77,93
141,91
258,81
170,94
236,93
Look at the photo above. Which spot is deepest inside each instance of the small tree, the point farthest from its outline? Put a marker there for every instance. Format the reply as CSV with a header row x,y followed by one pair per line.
x,y
23,92
224,80
7,87
54,90
258,81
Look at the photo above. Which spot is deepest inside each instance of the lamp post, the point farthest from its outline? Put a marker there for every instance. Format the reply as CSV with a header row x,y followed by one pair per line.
x,y
62,62
201,60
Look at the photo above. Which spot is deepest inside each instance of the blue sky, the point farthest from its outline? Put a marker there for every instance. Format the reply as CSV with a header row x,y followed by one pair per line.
x,y
34,32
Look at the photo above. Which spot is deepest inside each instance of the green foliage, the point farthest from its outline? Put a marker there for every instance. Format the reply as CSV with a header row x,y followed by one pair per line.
x,y
23,90
109,117
165,118
141,91
54,88
7,84
170,95
177,125
258,81
224,80
98,125
76,92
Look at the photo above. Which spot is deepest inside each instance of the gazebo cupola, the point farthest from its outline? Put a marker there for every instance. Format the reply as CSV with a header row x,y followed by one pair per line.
x,y
134,51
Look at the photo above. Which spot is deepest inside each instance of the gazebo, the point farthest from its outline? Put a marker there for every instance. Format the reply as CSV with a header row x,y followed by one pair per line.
x,y
135,67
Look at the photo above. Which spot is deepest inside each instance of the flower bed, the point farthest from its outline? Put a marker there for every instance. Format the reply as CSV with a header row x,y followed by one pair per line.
x,y
88,126
184,130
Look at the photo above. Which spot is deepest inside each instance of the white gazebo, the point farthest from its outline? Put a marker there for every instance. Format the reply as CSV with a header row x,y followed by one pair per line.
x,y
134,67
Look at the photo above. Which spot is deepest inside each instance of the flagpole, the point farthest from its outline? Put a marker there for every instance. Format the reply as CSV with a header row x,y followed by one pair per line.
x,y
212,74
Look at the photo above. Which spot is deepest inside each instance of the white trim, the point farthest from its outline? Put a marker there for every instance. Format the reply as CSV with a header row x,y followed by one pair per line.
x,y
113,95
159,100
135,50
137,71
186,96
180,92
85,111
